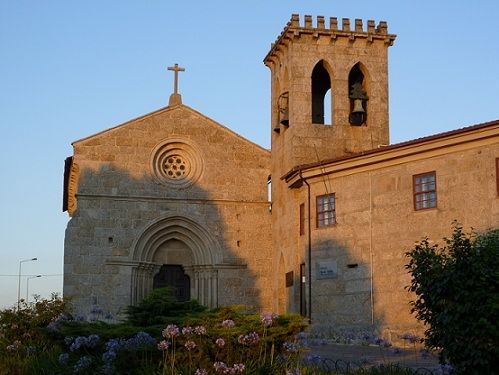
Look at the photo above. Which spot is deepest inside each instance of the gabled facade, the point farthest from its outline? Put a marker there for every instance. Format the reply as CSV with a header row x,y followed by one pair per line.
x,y
170,198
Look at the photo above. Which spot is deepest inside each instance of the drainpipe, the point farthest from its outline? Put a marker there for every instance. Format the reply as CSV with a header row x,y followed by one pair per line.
x,y
309,253
371,245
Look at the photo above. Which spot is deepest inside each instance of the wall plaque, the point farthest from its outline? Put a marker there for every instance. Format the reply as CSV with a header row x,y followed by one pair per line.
x,y
326,270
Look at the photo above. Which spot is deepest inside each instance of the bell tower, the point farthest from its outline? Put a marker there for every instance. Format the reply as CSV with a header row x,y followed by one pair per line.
x,y
329,100
329,90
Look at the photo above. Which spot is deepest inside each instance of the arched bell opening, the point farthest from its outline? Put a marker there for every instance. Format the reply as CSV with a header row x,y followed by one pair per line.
x,y
358,96
321,85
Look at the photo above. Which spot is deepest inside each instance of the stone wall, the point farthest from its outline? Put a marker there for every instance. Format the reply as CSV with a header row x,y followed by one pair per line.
x,y
218,205
376,223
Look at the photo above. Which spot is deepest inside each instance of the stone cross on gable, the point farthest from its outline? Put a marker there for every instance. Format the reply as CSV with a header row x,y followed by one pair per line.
x,y
175,98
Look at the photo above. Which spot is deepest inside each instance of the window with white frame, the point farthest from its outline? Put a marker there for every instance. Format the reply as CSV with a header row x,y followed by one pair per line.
x,y
326,210
425,190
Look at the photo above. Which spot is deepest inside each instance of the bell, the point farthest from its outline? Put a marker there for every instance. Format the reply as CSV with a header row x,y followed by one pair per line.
x,y
284,116
357,106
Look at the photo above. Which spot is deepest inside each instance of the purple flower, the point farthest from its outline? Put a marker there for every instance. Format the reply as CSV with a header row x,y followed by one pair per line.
x,y
239,367
82,363
92,341
201,371
14,347
171,331
268,318
250,338
163,345
140,340
83,342
63,358
187,331
228,323
293,371
189,345
219,366
109,356
200,330
220,342
115,344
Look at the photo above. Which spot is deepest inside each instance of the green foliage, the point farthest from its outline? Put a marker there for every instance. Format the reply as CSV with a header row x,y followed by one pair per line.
x,y
161,307
457,289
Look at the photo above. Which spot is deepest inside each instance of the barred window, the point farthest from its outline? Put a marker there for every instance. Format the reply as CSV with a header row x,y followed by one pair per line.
x,y
326,213
425,190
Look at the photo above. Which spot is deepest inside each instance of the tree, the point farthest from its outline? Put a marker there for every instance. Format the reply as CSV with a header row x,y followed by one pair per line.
x,y
457,298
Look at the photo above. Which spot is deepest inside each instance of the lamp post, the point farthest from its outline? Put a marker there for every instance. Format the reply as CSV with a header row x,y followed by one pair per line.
x,y
19,285
27,284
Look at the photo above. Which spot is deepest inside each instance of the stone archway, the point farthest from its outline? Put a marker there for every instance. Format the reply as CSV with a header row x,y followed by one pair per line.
x,y
179,241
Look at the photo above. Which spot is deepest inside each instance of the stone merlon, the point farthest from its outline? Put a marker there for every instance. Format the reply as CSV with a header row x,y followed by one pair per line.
x,y
294,29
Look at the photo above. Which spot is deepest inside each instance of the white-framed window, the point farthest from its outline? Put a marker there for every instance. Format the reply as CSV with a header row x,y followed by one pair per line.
x,y
326,210
425,190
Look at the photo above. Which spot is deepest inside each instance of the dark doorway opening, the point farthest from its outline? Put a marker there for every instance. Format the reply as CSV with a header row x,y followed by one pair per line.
x,y
173,275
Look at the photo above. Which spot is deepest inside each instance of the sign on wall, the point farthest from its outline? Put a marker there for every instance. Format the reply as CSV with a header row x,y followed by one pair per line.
x,y
326,270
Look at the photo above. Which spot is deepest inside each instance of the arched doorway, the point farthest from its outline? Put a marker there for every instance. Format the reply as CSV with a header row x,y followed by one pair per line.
x,y
171,251
174,276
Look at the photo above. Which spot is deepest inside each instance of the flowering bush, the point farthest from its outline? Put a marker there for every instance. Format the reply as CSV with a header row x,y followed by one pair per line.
x,y
240,343
23,336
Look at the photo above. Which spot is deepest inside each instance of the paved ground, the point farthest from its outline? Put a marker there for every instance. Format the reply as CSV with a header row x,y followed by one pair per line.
x,y
358,355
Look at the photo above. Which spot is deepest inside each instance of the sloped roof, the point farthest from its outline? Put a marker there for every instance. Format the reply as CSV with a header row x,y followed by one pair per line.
x,y
414,142
167,109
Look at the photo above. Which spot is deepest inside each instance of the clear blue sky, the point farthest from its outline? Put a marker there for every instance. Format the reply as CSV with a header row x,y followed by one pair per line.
x,y
69,69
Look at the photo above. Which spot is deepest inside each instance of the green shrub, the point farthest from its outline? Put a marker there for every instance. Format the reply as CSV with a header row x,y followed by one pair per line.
x,y
161,307
457,289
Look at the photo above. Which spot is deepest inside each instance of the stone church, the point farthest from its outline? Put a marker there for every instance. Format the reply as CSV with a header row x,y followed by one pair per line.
x,y
173,198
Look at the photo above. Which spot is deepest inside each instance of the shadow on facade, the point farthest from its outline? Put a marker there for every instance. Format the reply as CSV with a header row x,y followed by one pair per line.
x,y
129,231
344,291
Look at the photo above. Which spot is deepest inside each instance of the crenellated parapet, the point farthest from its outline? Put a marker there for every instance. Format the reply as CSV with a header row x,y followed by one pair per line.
x,y
295,28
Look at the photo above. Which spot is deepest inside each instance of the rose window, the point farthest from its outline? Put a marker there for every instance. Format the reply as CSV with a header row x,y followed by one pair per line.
x,y
176,163
175,167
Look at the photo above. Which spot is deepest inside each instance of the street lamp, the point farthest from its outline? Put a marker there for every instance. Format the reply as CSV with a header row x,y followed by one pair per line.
x,y
27,284
19,285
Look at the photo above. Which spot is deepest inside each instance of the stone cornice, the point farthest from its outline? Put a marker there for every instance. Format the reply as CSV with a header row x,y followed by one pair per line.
x,y
135,198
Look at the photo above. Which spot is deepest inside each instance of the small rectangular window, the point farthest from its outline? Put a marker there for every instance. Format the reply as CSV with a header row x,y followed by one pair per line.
x,y
302,219
425,190
326,210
